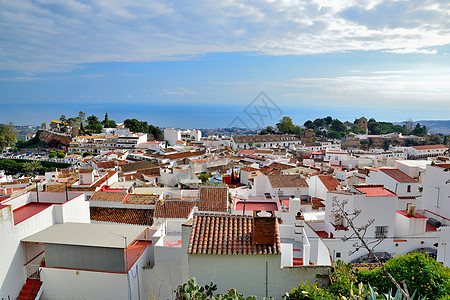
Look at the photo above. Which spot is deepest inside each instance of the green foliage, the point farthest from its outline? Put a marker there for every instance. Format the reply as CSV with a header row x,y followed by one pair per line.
x,y
60,154
338,126
285,125
309,125
204,177
107,123
419,130
16,166
268,130
8,135
421,273
77,153
135,125
87,153
341,278
309,292
191,290
52,154
35,142
334,135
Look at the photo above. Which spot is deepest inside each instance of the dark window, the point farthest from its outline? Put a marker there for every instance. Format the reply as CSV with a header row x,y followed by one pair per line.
x,y
408,189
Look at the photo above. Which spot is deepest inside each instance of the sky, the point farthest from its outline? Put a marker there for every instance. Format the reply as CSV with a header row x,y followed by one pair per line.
x,y
208,64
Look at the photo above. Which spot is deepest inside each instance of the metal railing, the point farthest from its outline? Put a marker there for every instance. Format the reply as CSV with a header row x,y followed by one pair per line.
x,y
33,271
38,278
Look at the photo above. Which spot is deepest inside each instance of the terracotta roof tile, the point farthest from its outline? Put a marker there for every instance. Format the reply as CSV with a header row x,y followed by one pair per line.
x,y
284,181
398,175
264,138
213,198
174,209
329,181
108,196
429,147
122,215
106,164
228,234
141,165
141,199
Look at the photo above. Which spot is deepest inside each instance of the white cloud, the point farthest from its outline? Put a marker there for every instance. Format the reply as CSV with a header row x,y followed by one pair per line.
x,y
50,35
178,91
408,51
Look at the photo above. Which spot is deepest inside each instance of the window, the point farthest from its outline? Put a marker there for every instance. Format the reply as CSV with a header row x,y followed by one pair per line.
x,y
408,189
338,254
381,231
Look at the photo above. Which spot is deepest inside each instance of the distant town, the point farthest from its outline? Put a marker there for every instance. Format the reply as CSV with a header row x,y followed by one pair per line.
x,y
91,208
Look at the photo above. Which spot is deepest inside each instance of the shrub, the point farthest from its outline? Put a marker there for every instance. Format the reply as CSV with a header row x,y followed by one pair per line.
x,y
87,153
422,274
310,292
60,154
52,154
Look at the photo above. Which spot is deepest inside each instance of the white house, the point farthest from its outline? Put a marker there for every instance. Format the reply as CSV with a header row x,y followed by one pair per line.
x,y
282,186
26,215
421,152
436,190
173,135
266,141
406,187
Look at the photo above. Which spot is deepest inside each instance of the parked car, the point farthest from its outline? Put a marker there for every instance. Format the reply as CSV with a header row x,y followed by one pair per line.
x,y
427,251
368,258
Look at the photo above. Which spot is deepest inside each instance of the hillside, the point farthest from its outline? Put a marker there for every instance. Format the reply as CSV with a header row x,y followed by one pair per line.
x,y
434,126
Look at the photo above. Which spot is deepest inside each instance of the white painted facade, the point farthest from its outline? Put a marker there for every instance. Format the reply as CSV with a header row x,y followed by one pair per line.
x,y
172,135
12,271
436,190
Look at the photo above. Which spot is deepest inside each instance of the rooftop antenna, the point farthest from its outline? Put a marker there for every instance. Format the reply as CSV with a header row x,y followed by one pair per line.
x,y
37,192
67,195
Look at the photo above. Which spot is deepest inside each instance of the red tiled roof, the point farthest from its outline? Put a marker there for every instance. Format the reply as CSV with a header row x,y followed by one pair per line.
x,y
398,175
108,196
122,215
141,199
174,209
284,181
374,190
329,181
429,147
228,234
213,198
106,164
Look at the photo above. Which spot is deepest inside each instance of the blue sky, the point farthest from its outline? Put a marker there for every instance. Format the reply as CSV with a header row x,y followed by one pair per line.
x,y
201,64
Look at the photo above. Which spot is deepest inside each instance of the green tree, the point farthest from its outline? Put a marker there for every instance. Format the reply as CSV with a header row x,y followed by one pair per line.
x,y
94,124
87,153
386,144
338,126
334,135
250,144
421,273
267,130
60,154
309,125
328,120
9,134
52,154
285,125
107,123
320,122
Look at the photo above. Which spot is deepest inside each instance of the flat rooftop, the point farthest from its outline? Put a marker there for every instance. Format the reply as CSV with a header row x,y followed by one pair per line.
x,y
88,234
28,210
252,206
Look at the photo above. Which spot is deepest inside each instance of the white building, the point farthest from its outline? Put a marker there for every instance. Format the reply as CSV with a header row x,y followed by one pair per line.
x,y
421,152
23,216
173,135
406,187
436,190
265,141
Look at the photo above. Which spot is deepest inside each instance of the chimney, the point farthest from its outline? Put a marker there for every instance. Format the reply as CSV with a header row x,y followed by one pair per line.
x,y
411,210
264,227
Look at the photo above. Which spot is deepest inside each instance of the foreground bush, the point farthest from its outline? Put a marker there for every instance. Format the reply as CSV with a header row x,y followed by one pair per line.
x,y
422,274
